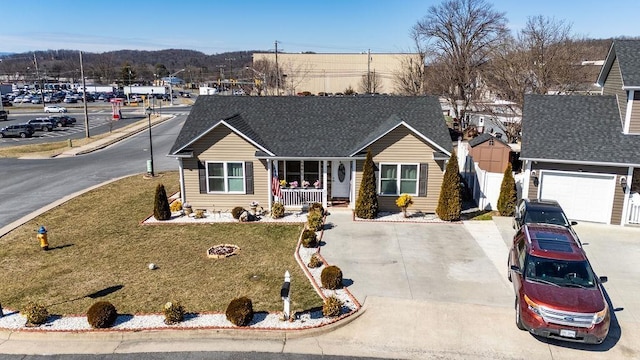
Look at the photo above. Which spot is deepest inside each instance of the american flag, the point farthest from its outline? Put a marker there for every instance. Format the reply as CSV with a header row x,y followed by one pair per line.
x,y
275,182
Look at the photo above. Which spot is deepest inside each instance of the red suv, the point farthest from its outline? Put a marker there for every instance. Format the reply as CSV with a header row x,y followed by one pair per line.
x,y
557,293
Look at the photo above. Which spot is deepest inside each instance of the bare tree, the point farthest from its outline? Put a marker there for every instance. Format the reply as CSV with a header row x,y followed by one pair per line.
x,y
410,78
370,84
459,36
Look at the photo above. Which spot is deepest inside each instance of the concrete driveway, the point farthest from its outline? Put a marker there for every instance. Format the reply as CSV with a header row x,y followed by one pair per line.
x,y
440,291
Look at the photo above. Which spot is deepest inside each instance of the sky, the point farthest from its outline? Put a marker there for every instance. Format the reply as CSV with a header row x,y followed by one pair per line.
x,y
322,26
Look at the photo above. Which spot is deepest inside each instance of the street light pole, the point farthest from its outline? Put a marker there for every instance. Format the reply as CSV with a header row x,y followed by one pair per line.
x,y
148,111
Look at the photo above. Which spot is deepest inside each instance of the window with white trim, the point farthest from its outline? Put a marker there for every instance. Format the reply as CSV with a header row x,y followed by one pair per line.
x,y
396,179
226,177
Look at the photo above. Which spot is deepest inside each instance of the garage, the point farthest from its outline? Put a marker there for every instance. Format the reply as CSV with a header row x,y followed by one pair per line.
x,y
583,196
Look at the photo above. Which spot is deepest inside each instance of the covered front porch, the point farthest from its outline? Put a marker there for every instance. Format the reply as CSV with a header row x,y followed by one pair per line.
x,y
297,183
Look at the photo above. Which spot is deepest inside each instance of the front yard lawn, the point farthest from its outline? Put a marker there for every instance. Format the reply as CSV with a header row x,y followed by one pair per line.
x,y
101,251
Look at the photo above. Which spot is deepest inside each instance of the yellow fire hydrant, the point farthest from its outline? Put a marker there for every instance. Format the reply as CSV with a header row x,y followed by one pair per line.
x,y
42,237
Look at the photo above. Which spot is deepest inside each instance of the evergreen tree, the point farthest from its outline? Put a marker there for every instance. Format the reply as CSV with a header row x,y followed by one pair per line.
x,y
367,202
161,210
508,194
450,201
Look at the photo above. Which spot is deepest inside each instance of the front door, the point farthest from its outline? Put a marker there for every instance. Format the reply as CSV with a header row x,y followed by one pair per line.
x,y
340,178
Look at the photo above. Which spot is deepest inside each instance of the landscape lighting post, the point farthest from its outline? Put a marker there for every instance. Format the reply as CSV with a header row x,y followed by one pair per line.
x,y
150,161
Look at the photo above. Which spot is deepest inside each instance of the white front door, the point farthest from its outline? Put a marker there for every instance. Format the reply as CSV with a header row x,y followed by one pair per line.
x,y
340,178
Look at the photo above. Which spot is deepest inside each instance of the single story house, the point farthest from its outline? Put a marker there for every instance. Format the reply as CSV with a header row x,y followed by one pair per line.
x,y
235,150
583,151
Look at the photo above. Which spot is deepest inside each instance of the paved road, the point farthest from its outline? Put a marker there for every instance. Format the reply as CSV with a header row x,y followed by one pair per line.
x,y
26,185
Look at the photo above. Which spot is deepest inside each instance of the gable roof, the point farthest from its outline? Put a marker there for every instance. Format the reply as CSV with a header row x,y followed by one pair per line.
x,y
315,126
576,129
483,138
626,51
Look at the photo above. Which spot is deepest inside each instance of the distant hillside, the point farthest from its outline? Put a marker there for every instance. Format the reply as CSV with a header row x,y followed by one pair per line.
x,y
145,65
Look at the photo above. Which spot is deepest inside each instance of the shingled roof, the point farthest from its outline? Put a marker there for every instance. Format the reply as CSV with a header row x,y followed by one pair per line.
x,y
576,128
290,126
626,51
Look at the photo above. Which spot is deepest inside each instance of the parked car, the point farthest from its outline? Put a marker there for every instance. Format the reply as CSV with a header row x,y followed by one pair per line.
x,y
557,294
21,130
540,211
4,115
70,100
41,124
63,120
55,108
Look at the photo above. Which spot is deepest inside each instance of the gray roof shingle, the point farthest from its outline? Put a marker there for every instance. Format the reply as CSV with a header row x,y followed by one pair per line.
x,y
314,126
627,53
576,128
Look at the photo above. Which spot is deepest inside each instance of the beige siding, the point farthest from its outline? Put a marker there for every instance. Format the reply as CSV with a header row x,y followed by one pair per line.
x,y
228,147
613,86
333,73
634,123
402,146
618,197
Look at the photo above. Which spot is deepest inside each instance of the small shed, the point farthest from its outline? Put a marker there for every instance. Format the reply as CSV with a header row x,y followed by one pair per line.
x,y
490,152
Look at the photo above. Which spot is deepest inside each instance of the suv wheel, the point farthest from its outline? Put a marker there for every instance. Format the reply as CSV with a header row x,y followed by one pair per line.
x,y
23,135
1,134
518,316
60,124
48,128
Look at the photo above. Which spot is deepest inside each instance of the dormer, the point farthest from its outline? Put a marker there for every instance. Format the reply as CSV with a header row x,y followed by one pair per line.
x,y
620,76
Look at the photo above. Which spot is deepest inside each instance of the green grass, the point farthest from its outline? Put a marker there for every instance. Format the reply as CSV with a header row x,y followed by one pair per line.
x,y
98,243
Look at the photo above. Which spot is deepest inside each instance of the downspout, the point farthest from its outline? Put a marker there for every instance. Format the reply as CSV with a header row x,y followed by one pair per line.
x,y
183,196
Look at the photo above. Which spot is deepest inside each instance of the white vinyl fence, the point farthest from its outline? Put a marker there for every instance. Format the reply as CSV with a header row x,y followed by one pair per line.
x,y
634,209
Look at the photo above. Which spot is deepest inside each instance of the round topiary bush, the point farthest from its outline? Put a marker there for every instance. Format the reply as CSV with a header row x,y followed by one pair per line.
x,y
309,238
173,313
277,210
315,220
332,306
35,313
315,261
240,311
331,277
316,206
237,211
102,315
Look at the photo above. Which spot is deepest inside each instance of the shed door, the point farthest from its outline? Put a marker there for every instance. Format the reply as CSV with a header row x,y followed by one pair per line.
x,y
583,196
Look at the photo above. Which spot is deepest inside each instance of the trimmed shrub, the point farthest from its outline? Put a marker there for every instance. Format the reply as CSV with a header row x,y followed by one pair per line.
x,y
316,206
315,261
173,313
240,311
315,220
450,202
237,211
35,313
309,238
331,277
102,315
508,194
332,306
175,206
277,210
367,201
161,209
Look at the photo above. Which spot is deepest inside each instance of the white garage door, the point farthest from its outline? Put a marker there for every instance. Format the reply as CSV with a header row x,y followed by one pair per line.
x,y
583,196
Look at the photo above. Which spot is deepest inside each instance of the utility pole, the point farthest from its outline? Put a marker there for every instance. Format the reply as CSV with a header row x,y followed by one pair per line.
x,y
35,62
84,98
277,72
369,71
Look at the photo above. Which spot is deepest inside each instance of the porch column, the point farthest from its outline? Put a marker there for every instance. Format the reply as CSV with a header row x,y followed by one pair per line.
x,y
269,186
325,184
183,195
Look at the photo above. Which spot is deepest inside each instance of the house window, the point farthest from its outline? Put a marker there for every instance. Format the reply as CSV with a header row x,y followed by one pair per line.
x,y
292,171
225,177
396,179
299,170
311,171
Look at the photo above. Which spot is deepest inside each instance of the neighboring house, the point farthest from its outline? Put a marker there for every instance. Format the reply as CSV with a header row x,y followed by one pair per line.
x,y
584,150
486,124
230,148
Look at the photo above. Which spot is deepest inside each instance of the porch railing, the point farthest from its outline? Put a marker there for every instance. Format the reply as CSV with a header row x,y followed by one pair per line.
x,y
634,210
300,196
